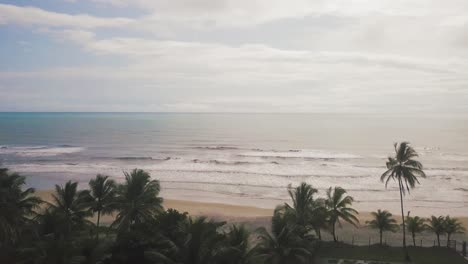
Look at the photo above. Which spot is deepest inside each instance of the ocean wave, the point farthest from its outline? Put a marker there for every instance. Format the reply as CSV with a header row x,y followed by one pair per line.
x,y
454,157
215,147
292,176
446,168
39,151
222,162
262,186
130,158
227,193
302,154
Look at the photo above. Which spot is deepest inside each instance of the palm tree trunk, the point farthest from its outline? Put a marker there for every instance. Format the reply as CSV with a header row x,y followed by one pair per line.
x,y
319,233
380,232
97,224
438,240
403,219
414,239
333,231
448,239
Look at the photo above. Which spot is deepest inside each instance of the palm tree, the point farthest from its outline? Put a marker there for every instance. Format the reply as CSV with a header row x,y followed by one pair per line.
x,y
383,221
102,197
338,206
405,170
137,200
168,223
302,209
436,225
283,245
16,206
302,198
69,207
415,225
235,248
452,226
319,219
201,240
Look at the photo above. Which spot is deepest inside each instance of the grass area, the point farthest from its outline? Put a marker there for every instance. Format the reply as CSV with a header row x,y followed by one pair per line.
x,y
418,255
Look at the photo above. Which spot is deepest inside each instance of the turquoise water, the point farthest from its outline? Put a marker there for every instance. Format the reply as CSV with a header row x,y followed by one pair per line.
x,y
241,158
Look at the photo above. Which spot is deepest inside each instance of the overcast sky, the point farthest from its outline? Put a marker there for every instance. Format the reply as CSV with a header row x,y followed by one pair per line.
x,y
234,55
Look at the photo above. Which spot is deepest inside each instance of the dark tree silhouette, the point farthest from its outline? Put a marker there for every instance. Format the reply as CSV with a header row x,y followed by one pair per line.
x,y
17,206
415,225
405,170
338,206
283,245
383,221
137,200
102,197
452,226
436,225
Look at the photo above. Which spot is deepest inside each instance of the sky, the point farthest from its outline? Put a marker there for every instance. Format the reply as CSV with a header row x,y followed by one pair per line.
x,y
344,56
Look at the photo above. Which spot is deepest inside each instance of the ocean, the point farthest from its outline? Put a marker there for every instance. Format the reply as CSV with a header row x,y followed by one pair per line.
x,y
244,159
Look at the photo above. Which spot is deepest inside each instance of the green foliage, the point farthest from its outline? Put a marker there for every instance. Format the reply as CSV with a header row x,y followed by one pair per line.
x,y
405,170
144,233
303,200
235,248
338,206
383,221
17,206
415,226
403,167
306,212
101,197
283,245
436,225
200,240
137,200
69,209
452,226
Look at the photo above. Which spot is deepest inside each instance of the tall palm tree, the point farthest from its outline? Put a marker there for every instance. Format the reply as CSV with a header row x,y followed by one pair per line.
x,y
283,245
16,206
69,207
383,221
405,170
102,197
137,200
452,226
338,206
436,225
415,225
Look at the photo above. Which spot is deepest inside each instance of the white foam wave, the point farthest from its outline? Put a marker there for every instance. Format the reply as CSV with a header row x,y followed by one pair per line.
x,y
454,157
311,154
39,151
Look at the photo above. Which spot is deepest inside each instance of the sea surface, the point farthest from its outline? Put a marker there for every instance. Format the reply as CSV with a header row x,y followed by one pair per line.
x,y
245,159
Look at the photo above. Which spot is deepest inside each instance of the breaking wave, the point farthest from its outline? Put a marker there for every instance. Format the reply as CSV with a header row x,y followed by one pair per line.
x,y
302,154
39,151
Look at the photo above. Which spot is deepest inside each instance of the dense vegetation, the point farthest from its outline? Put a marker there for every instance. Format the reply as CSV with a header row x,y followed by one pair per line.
x,y
61,231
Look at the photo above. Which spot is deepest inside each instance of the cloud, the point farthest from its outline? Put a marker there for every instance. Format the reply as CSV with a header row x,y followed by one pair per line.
x,y
213,53
250,12
257,56
32,16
